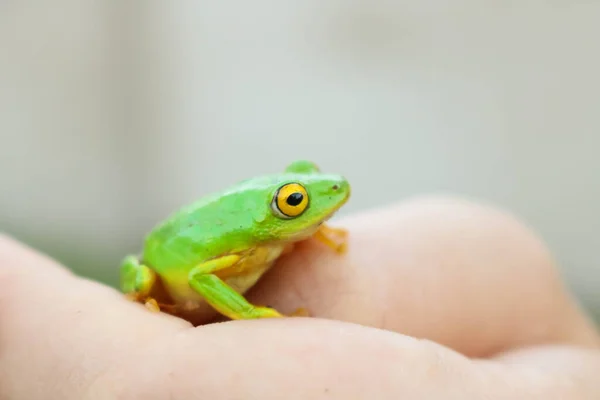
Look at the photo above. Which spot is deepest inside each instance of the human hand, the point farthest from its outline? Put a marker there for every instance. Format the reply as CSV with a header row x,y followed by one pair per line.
x,y
435,299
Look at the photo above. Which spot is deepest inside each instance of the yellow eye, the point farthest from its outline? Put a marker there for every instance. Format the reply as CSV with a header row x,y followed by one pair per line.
x,y
290,200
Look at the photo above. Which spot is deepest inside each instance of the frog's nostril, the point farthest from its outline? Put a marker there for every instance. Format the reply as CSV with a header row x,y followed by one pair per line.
x,y
335,187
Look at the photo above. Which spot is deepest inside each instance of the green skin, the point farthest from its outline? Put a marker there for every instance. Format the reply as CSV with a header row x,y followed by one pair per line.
x,y
217,248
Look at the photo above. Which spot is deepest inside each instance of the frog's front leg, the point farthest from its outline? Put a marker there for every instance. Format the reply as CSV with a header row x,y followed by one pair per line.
x,y
221,296
335,238
137,281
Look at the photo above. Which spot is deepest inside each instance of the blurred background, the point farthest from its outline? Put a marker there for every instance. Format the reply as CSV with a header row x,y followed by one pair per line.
x,y
112,114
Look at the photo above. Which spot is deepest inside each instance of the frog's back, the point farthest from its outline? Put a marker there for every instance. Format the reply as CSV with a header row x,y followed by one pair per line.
x,y
216,224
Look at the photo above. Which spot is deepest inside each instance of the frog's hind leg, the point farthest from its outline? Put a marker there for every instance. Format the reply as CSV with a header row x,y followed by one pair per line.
x,y
137,282
221,296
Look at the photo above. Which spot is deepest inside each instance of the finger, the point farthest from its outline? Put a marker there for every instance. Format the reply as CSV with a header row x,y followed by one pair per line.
x,y
89,357
35,287
461,274
319,359
53,322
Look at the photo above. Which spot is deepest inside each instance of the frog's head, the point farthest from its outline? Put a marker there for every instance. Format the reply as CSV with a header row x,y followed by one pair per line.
x,y
301,199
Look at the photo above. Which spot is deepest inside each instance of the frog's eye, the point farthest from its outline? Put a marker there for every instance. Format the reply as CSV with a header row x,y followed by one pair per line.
x,y
290,200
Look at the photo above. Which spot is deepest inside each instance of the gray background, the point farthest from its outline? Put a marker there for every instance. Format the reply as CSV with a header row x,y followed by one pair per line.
x,y
114,113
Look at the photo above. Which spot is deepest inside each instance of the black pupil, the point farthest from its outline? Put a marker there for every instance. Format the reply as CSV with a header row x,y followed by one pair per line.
x,y
294,199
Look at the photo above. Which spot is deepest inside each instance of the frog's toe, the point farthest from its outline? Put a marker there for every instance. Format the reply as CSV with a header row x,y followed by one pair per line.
x,y
334,238
300,312
149,302
152,305
342,248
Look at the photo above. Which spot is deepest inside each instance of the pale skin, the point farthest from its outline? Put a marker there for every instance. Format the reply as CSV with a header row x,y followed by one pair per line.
x,y
479,290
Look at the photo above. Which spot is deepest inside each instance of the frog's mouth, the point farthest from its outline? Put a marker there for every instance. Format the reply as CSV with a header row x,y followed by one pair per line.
x,y
335,209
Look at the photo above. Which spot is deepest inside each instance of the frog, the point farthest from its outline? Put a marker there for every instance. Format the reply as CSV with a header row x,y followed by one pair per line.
x,y
214,250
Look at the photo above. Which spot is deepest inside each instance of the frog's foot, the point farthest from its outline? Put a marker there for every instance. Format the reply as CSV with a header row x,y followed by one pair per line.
x,y
154,306
137,282
335,238
223,297
150,303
